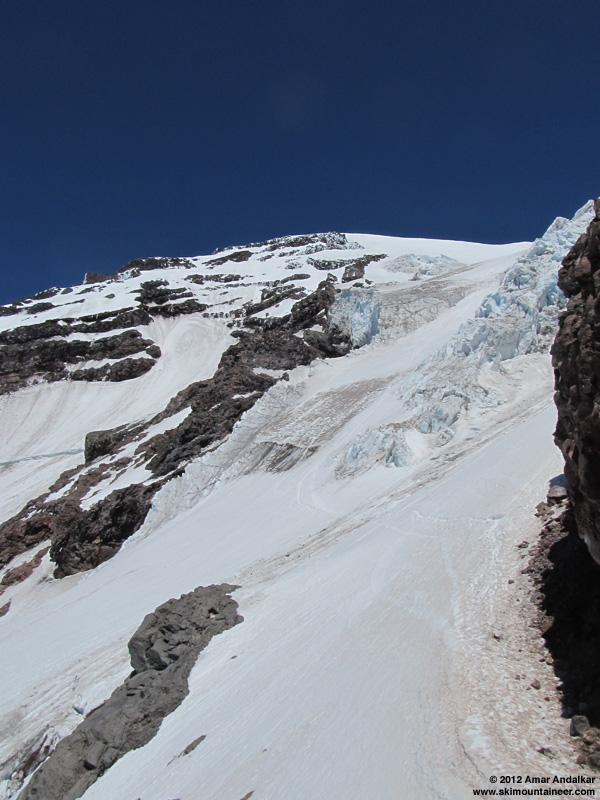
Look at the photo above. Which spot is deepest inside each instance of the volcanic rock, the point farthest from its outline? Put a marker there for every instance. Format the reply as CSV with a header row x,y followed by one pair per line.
x,y
163,651
18,574
82,539
576,361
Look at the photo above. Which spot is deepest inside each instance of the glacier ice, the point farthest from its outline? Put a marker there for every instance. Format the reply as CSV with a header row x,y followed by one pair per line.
x,y
422,266
386,444
519,318
355,312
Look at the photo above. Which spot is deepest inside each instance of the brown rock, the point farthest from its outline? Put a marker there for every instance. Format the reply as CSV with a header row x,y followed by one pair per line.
x,y
557,494
576,361
83,539
579,725
18,574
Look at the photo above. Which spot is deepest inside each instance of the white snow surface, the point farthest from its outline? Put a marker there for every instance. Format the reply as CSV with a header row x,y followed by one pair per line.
x,y
369,510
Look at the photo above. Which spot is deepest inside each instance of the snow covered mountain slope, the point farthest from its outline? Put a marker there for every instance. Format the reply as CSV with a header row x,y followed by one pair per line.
x,y
353,429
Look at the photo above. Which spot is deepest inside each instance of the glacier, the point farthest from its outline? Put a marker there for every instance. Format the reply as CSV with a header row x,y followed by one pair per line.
x,y
367,504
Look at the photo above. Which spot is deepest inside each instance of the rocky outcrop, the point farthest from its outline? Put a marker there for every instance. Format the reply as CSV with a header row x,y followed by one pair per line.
x,y
272,297
23,571
100,443
200,280
124,370
44,351
237,256
163,651
106,321
136,267
48,350
354,268
576,361
566,579
161,300
25,530
314,243
84,538
81,539
566,592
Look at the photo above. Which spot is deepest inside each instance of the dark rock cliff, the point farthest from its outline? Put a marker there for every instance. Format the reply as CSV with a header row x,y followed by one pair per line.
x,y
576,361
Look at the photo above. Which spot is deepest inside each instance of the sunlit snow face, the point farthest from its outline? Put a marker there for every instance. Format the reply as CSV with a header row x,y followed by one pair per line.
x,y
360,482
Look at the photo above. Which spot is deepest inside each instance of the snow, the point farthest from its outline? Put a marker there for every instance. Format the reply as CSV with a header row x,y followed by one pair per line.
x,y
464,252
191,347
373,561
345,668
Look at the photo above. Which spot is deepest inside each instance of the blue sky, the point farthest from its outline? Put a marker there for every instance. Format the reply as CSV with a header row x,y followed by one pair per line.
x,y
138,128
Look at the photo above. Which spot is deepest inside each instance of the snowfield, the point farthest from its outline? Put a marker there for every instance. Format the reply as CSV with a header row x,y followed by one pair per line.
x,y
369,509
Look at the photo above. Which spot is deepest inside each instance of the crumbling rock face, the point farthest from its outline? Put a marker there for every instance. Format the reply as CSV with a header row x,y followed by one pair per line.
x,y
567,578
101,443
25,530
307,312
200,280
124,370
160,300
567,593
136,267
80,539
83,539
215,408
237,256
576,361
354,268
110,320
163,651
23,571
159,292
314,243
47,350
272,297
29,333
42,350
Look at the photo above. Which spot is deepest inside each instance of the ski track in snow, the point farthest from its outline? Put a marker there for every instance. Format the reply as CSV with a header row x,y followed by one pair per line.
x,y
366,665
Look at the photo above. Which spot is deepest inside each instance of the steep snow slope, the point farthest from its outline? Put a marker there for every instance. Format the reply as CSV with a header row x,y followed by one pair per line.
x,y
368,507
